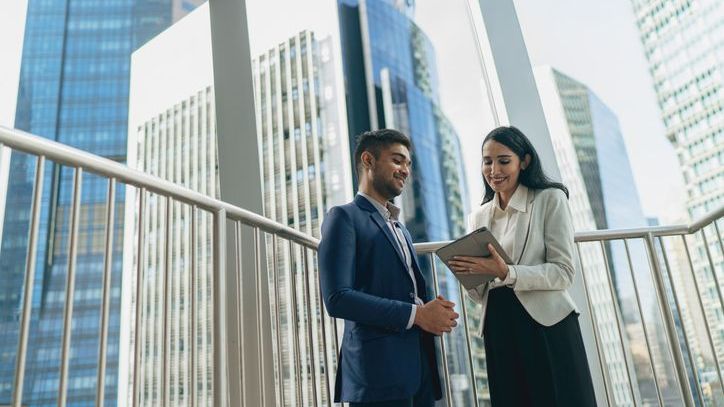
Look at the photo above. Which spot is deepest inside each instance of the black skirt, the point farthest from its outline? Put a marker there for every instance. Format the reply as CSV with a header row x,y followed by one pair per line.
x,y
530,364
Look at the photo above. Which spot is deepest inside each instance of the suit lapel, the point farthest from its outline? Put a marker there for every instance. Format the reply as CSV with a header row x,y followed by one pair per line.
x,y
522,228
388,233
411,248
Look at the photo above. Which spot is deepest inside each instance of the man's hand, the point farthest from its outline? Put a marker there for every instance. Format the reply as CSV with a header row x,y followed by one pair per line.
x,y
437,316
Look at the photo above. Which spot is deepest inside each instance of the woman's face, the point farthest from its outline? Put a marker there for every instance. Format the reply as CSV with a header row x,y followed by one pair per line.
x,y
501,167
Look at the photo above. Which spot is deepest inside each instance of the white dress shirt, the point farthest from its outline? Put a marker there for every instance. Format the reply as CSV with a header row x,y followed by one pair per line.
x,y
390,214
502,226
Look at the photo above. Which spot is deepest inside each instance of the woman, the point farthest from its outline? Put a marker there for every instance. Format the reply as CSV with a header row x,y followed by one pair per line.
x,y
533,342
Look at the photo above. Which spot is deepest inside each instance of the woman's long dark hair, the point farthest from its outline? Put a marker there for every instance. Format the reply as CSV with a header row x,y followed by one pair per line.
x,y
533,177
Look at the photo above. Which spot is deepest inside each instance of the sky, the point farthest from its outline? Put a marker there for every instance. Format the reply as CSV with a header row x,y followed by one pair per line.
x,y
597,43
12,23
594,42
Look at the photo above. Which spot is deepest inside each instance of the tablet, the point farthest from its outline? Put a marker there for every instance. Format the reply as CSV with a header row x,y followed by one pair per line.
x,y
474,244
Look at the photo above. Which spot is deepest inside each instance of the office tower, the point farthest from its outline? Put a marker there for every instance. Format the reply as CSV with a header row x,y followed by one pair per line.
x,y
594,166
178,145
684,42
305,170
391,81
74,90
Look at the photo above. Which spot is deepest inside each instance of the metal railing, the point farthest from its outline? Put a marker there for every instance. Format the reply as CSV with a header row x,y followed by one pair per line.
x,y
676,367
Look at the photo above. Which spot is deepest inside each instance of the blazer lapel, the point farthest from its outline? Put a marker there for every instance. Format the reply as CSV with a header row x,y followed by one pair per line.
x,y
522,229
388,233
411,248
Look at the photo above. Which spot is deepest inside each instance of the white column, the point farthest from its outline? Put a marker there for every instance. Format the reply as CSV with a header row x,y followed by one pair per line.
x,y
514,93
240,183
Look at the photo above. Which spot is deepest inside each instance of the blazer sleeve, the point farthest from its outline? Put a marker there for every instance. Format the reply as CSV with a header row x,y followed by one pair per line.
x,y
557,272
337,268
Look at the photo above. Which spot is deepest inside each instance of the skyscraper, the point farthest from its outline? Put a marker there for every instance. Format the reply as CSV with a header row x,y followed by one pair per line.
x,y
305,169
595,168
74,90
305,172
391,81
683,42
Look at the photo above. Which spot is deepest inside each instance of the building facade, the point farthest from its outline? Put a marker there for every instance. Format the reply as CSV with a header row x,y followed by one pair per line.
x,y
683,43
305,172
305,169
391,81
585,134
73,90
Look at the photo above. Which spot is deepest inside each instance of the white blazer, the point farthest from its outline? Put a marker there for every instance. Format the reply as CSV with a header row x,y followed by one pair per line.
x,y
543,255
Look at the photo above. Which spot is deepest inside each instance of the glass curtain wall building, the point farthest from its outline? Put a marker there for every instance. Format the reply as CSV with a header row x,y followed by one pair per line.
x,y
592,157
74,90
567,113
683,42
305,170
391,81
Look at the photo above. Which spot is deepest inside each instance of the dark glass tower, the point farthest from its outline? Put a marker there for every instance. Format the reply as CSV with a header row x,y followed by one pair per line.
x,y
73,89
383,50
391,81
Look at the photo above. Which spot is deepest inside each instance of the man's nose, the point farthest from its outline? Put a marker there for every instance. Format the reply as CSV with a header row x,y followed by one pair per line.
x,y
405,170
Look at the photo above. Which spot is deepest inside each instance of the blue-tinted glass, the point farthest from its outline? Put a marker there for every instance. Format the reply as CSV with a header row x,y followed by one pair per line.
x,y
73,89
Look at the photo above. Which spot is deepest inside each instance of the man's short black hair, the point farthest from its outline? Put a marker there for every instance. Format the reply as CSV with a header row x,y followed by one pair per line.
x,y
374,141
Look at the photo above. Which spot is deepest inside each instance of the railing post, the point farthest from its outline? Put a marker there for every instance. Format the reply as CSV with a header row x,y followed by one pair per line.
x,y
675,346
685,334
446,370
659,396
106,296
193,272
29,282
596,334
703,311
70,288
140,265
220,320
619,322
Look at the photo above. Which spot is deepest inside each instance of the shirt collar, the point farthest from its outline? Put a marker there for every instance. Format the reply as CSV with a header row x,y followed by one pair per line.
x,y
391,211
518,202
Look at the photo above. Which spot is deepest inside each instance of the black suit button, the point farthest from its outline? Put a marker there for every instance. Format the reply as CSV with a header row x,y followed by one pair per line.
x,y
412,296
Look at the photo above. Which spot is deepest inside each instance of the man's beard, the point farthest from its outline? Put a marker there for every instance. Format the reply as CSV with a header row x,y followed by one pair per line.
x,y
386,188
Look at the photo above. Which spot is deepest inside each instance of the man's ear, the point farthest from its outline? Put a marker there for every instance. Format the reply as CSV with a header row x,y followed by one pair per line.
x,y
368,160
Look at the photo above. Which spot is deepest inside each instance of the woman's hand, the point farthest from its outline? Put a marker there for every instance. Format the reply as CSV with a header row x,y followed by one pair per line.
x,y
493,265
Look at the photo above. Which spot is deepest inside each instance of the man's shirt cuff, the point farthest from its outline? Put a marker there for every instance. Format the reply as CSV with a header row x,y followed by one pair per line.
x,y
411,321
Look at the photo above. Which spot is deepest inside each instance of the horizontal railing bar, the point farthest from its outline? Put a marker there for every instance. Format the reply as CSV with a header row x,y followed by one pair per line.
x,y
63,154
66,155
609,234
705,220
634,233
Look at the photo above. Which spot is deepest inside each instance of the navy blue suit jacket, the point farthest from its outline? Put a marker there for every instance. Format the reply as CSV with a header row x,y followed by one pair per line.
x,y
365,282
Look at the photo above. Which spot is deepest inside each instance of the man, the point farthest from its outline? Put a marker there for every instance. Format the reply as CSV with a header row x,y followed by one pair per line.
x,y
370,278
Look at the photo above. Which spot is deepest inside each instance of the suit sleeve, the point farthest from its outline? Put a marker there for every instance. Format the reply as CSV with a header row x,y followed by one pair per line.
x,y
557,272
337,269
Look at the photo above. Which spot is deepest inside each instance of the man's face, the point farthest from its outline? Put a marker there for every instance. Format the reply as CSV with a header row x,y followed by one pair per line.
x,y
390,170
